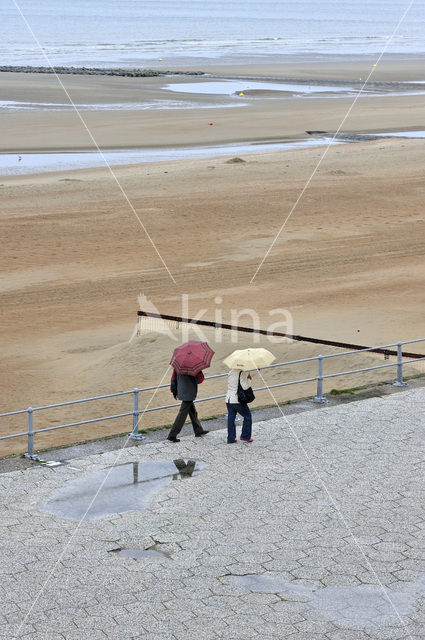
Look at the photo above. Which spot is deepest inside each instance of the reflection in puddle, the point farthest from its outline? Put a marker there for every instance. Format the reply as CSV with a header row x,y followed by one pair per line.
x,y
139,553
125,487
360,606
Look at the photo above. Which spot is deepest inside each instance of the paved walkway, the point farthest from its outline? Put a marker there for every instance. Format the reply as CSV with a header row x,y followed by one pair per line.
x,y
313,532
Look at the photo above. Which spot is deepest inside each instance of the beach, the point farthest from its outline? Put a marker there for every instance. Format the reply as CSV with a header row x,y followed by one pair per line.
x,y
184,119
332,235
347,265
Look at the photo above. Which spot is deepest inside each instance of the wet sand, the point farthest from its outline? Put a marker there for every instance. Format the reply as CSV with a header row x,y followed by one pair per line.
x,y
266,117
349,265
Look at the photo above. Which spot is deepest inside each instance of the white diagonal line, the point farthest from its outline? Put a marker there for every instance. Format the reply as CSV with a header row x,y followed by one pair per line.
x,y
67,544
307,184
83,122
334,505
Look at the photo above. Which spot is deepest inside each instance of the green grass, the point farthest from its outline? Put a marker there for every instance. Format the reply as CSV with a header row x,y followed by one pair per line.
x,y
415,377
381,383
339,392
160,428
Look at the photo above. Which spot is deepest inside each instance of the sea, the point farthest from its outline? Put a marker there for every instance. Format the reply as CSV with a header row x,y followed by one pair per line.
x,y
143,33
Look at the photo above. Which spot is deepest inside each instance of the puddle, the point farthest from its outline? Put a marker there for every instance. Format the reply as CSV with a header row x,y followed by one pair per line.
x,y
52,464
139,553
360,606
125,487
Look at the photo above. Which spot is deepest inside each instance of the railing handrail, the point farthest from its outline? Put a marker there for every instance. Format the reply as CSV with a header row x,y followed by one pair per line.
x,y
216,375
135,392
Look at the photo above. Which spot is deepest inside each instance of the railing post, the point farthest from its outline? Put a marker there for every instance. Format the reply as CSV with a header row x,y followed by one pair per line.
x,y
30,452
319,392
135,435
399,382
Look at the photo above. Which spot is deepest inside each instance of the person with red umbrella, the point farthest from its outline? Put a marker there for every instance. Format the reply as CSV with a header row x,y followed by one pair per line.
x,y
188,361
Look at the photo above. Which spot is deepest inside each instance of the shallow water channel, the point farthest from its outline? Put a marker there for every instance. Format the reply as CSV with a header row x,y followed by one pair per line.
x,y
24,163
124,487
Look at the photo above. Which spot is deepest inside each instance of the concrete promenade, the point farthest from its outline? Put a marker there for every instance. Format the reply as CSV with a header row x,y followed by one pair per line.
x,y
316,531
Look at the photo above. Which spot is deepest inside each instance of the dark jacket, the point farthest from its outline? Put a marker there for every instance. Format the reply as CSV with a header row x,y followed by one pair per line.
x,y
185,387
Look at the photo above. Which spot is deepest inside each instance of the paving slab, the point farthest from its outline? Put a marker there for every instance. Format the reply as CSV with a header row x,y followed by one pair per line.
x,y
315,531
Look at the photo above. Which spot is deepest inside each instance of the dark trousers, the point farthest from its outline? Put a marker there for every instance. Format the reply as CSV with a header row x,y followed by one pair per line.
x,y
186,407
245,412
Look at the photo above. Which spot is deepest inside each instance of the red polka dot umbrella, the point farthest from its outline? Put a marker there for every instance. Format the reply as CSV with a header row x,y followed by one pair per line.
x,y
191,357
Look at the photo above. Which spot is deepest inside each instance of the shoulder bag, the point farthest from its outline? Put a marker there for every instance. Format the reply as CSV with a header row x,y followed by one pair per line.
x,y
245,396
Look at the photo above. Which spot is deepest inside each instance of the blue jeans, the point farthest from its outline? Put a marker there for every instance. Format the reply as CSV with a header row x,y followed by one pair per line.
x,y
245,412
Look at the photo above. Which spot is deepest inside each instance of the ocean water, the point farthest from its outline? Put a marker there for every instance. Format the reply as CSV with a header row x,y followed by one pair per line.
x,y
110,33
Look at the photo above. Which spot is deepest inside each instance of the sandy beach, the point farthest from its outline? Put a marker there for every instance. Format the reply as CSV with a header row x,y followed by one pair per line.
x,y
348,265
264,115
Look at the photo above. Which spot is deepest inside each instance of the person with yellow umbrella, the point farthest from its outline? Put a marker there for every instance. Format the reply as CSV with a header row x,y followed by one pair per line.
x,y
239,391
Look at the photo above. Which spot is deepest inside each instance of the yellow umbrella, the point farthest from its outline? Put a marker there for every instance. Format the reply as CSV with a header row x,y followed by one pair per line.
x,y
246,359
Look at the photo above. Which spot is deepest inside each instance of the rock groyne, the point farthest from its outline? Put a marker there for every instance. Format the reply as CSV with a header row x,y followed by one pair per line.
x,y
98,71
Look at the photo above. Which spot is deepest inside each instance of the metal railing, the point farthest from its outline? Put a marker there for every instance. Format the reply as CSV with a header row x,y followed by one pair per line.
x,y
136,411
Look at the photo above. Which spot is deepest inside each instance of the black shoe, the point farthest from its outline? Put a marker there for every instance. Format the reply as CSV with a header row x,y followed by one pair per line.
x,y
173,439
203,433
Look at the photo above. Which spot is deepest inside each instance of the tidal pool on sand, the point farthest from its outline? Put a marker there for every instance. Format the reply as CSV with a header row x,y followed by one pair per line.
x,y
234,87
250,88
125,487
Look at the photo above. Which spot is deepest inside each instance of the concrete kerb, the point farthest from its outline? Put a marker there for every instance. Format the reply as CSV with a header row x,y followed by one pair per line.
x,y
156,434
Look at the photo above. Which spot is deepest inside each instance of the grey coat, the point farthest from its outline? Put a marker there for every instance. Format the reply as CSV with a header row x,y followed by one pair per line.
x,y
185,387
